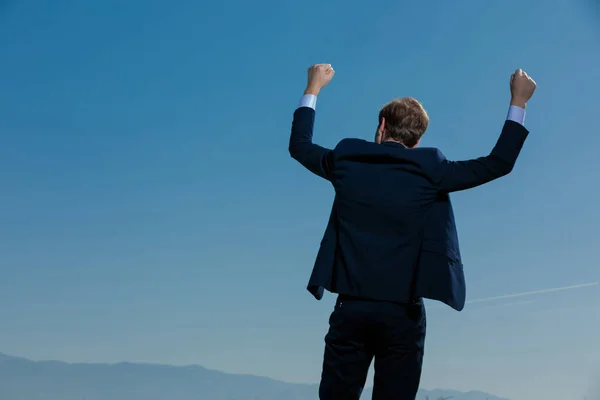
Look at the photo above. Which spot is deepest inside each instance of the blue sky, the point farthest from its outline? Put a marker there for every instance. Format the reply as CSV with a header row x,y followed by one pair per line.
x,y
149,210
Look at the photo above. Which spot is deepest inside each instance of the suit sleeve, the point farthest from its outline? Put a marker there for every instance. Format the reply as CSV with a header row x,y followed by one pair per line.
x,y
452,176
313,157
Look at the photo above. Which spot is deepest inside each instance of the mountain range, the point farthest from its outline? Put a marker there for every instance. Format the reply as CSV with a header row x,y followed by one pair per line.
x,y
23,379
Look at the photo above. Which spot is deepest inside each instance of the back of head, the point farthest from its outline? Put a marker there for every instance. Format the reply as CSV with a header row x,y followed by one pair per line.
x,y
404,121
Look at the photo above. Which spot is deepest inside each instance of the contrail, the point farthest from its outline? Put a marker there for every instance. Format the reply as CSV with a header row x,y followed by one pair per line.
x,y
510,296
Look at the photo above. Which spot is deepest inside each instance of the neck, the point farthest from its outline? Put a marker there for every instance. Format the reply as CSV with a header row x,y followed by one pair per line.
x,y
394,141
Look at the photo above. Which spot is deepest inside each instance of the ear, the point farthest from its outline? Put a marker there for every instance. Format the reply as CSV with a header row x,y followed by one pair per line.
x,y
380,130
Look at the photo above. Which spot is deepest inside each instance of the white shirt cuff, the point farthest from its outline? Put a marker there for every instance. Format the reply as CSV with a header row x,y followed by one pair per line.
x,y
308,100
516,114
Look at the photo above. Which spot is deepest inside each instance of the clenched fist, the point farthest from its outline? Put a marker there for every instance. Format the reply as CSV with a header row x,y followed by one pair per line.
x,y
319,75
521,88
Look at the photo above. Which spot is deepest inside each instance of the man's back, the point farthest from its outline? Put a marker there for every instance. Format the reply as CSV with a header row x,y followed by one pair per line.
x,y
383,192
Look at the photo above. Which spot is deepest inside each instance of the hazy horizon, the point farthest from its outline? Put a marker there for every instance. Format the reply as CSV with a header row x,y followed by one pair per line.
x,y
44,376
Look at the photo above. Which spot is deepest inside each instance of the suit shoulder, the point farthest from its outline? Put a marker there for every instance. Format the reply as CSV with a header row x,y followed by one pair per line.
x,y
350,143
432,153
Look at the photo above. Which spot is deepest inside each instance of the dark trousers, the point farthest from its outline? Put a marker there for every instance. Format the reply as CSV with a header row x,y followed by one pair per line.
x,y
360,330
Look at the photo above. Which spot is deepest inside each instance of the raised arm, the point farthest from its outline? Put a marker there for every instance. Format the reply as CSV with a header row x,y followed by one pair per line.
x,y
453,176
315,158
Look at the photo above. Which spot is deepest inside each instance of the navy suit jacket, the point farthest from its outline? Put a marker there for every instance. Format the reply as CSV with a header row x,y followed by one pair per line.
x,y
391,235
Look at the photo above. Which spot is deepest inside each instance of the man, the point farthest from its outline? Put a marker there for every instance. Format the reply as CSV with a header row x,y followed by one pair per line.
x,y
391,238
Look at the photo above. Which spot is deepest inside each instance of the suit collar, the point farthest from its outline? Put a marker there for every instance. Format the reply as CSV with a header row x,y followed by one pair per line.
x,y
394,144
